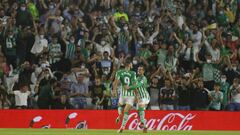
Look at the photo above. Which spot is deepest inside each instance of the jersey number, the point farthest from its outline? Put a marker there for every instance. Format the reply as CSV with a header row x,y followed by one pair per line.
x,y
127,80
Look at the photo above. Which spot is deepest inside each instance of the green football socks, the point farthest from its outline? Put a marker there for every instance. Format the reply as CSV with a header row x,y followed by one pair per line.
x,y
125,119
141,114
120,110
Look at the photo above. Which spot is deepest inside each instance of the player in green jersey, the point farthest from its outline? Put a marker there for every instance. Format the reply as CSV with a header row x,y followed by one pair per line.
x,y
142,95
126,78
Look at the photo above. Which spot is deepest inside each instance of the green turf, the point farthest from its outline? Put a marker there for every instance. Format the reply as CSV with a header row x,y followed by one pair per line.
x,y
107,132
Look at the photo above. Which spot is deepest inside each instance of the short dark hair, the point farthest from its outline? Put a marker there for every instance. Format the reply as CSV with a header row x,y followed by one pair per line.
x,y
22,85
141,65
127,62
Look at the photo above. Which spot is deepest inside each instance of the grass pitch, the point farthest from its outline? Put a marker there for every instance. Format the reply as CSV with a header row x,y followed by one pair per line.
x,y
107,132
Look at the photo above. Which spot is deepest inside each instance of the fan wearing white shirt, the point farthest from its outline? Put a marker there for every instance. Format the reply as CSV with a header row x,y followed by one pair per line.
x,y
187,53
212,48
196,42
180,19
150,38
196,37
21,96
104,46
41,44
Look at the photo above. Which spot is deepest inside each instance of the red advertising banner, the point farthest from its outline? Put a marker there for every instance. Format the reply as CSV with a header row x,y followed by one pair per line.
x,y
100,119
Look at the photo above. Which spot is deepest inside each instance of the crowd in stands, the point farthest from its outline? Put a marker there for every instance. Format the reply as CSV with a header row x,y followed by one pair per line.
x,y
63,54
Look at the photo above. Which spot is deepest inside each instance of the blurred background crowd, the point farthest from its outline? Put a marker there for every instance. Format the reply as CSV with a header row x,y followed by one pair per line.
x,y
63,54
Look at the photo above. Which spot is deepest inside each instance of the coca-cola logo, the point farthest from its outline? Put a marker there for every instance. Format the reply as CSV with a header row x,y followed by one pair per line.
x,y
171,121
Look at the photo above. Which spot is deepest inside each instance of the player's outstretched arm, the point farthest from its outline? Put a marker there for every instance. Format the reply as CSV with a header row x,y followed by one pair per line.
x,y
135,86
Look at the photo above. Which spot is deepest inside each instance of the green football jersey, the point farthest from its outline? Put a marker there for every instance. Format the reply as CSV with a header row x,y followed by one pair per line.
x,y
126,77
142,87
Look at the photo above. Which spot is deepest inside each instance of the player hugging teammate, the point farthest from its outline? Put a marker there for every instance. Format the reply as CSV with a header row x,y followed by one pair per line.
x,y
132,89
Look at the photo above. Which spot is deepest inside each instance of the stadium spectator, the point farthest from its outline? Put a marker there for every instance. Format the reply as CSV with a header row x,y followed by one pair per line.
x,y
199,98
40,45
55,52
231,72
23,16
79,93
97,91
208,71
95,37
234,96
167,96
225,90
4,102
60,100
10,45
45,94
21,96
216,98
106,63
107,99
184,92
154,92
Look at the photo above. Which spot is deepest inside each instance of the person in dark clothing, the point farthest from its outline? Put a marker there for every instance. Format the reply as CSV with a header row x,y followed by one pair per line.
x,y
25,73
9,48
25,42
60,100
231,72
199,97
46,95
24,17
58,65
154,92
183,90
168,95
97,91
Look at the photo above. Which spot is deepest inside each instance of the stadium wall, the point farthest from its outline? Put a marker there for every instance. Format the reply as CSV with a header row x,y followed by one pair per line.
x,y
100,119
